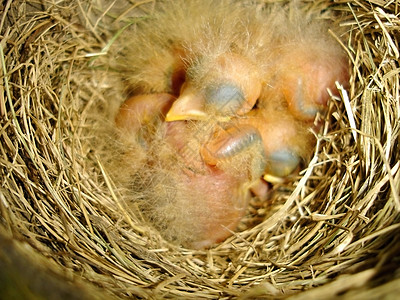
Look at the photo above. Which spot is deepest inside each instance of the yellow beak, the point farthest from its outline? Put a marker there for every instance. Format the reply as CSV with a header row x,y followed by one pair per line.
x,y
188,106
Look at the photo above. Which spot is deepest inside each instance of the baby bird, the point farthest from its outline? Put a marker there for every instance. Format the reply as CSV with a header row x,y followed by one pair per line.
x,y
224,97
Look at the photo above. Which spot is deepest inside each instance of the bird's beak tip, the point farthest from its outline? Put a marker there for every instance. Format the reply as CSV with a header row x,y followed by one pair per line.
x,y
272,178
184,116
186,107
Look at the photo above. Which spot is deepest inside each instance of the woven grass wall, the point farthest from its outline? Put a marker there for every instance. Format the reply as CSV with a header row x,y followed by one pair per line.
x,y
333,231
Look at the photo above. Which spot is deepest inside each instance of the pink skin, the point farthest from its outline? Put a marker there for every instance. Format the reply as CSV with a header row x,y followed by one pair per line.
x,y
220,200
215,200
304,77
141,110
212,200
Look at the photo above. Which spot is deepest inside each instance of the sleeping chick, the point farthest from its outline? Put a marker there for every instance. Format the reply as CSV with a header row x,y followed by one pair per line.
x,y
224,94
190,201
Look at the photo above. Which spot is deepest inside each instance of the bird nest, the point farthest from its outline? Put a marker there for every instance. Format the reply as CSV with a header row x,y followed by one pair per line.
x,y
65,233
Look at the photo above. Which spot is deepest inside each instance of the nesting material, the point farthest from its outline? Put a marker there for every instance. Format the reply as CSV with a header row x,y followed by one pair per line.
x,y
330,231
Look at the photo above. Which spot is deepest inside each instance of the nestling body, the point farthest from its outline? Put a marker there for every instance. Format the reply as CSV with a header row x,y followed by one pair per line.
x,y
223,95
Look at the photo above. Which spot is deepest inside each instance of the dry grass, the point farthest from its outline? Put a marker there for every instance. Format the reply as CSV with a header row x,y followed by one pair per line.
x,y
333,231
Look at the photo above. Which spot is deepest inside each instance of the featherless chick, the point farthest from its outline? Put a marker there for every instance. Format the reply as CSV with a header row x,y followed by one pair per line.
x,y
223,96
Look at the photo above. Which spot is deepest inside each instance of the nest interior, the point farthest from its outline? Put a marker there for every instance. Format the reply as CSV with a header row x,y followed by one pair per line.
x,y
64,233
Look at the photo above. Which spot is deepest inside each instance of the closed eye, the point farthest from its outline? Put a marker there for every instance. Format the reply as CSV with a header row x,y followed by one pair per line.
x,y
225,99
